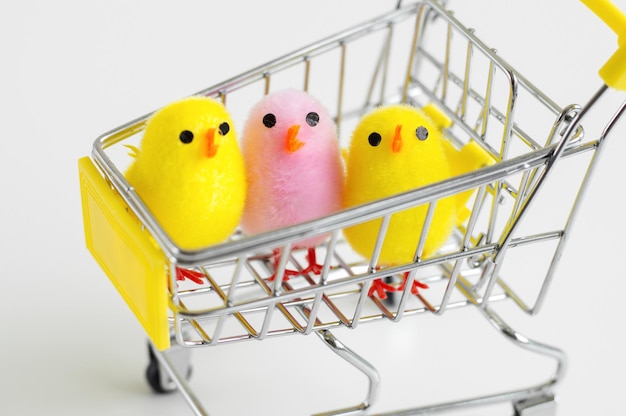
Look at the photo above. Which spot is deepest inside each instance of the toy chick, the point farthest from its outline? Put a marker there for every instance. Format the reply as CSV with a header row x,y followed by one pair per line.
x,y
294,165
190,173
394,149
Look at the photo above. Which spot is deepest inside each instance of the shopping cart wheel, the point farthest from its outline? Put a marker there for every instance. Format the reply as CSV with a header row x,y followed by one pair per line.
x,y
158,378
544,405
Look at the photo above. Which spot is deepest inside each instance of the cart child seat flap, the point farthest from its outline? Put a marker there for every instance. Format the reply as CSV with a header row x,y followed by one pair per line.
x,y
131,260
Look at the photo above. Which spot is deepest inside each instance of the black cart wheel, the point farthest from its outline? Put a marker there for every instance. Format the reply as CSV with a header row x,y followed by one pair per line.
x,y
158,379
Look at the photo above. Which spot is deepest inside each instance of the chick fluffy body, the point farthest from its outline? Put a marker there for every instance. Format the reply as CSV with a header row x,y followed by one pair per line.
x,y
194,183
294,164
400,162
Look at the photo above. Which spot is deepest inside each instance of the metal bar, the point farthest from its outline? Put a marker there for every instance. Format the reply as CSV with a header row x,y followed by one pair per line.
x,y
266,79
519,340
416,31
385,56
206,339
342,75
487,105
279,273
576,206
507,235
307,73
372,83
468,60
517,130
275,303
228,300
326,224
446,64
381,63
408,284
371,269
357,361
359,279
479,45
323,279
509,114
450,287
428,219
473,219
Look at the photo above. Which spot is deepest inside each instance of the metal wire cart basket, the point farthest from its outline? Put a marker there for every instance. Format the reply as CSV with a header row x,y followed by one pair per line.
x,y
418,54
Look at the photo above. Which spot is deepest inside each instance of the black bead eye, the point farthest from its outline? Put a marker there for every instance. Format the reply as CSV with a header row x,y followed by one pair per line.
x,y
186,136
421,133
374,139
224,128
312,119
269,120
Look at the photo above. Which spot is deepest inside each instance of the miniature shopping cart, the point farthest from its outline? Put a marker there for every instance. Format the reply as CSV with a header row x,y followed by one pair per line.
x,y
417,54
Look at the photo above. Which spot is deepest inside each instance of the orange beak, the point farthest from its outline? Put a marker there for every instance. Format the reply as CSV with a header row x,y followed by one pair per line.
x,y
292,144
211,149
396,145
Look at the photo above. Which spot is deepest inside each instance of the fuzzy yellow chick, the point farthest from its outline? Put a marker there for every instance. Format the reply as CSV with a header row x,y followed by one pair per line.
x,y
190,173
394,149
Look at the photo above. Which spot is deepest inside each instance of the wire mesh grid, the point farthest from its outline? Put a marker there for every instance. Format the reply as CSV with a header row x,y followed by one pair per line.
x,y
507,249
417,54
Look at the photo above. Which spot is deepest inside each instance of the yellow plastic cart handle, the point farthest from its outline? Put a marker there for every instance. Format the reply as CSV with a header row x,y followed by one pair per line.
x,y
613,73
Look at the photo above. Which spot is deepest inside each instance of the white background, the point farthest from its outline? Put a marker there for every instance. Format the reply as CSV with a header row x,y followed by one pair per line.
x,y
72,70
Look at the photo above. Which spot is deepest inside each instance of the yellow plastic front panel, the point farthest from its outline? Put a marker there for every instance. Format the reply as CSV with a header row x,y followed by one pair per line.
x,y
128,256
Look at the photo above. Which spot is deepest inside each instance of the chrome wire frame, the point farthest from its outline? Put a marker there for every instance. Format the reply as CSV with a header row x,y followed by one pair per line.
x,y
242,304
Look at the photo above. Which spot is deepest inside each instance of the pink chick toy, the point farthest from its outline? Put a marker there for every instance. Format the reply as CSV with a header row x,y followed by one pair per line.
x,y
294,166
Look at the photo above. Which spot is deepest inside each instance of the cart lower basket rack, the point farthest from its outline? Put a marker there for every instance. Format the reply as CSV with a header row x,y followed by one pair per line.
x,y
417,54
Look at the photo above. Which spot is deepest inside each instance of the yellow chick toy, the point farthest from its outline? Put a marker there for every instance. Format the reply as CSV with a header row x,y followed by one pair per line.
x,y
395,149
190,173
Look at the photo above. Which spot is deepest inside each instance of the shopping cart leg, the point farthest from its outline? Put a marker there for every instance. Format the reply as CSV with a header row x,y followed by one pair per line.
x,y
357,361
539,400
